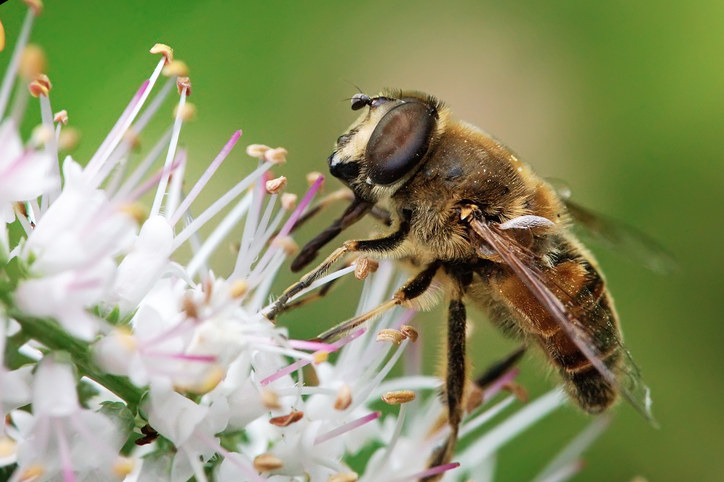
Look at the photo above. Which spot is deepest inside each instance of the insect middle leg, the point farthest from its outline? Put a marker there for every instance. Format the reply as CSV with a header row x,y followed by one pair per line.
x,y
415,287
454,378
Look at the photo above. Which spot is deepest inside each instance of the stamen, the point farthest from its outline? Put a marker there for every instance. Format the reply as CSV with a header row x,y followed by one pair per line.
x,y
217,206
12,70
164,50
301,363
175,133
313,177
306,200
61,117
183,84
346,427
204,179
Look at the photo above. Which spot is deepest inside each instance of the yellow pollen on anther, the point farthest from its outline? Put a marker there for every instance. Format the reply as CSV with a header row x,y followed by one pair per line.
x,y
123,466
289,201
409,332
238,288
313,176
126,338
215,375
388,334
321,357
257,150
398,397
164,50
343,477
61,116
344,398
32,472
41,134
7,447
276,185
35,5
270,400
188,111
68,139
136,211
40,86
278,155
176,68
287,244
267,462
33,62
364,266
183,84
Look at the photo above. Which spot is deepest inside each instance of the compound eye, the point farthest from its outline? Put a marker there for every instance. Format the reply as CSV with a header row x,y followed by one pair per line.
x,y
399,142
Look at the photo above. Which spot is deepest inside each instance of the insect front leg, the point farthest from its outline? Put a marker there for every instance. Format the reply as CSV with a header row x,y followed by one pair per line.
x,y
372,247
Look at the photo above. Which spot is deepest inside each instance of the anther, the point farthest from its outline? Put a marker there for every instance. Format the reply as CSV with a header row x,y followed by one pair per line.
x,y
183,84
388,334
286,420
398,397
176,68
344,398
164,50
267,462
289,201
276,185
409,332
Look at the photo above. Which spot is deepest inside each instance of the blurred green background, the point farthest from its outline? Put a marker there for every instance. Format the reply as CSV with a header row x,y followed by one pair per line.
x,y
622,99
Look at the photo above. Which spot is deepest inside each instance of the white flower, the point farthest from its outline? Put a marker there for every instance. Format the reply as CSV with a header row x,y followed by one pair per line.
x,y
61,436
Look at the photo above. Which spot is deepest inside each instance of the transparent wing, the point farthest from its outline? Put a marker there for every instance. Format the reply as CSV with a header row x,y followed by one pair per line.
x,y
523,265
616,235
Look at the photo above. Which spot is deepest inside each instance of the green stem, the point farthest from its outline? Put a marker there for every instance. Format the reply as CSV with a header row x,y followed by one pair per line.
x,y
52,335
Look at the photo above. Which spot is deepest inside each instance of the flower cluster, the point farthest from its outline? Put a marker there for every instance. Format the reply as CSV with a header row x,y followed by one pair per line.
x,y
122,363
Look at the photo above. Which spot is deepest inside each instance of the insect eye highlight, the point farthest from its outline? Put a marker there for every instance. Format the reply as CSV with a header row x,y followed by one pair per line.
x,y
400,140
